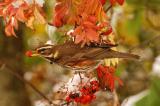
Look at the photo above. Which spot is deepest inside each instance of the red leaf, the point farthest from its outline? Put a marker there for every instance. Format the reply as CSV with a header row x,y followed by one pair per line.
x,y
108,31
113,2
72,11
120,2
12,14
103,2
86,32
106,77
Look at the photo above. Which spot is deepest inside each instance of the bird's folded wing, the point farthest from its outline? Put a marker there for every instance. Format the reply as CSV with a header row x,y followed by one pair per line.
x,y
99,54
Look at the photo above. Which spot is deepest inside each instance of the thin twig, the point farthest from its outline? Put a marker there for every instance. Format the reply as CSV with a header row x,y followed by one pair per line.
x,y
26,82
80,76
108,8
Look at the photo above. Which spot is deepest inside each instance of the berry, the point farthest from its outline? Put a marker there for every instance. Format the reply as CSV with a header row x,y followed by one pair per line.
x,y
87,98
95,88
28,53
93,82
68,99
77,100
83,100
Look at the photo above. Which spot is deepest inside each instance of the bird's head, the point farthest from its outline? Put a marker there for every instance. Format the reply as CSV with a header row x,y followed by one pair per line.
x,y
43,51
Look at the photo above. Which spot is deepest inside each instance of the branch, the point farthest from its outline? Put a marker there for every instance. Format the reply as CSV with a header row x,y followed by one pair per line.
x,y
25,81
108,8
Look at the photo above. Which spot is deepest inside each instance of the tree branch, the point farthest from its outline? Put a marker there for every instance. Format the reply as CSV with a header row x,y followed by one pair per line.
x,y
9,68
108,8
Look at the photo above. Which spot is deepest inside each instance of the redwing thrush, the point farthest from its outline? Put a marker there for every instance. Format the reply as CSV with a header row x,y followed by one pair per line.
x,y
75,57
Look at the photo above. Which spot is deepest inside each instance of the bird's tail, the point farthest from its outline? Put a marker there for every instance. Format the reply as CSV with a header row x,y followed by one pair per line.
x,y
116,54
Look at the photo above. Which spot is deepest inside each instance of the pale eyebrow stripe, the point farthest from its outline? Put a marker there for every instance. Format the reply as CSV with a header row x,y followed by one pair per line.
x,y
45,47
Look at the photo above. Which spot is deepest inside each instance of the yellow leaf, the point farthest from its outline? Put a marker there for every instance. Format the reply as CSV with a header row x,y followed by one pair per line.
x,y
109,62
29,22
38,16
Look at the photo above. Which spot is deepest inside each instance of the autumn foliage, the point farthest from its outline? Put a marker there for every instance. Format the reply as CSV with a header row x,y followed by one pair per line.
x,y
88,17
107,78
14,11
90,25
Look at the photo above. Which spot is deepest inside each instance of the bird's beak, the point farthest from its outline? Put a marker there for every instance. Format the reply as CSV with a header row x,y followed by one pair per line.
x,y
32,53
35,53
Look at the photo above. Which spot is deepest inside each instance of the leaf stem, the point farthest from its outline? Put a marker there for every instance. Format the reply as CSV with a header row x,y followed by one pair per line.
x,y
108,8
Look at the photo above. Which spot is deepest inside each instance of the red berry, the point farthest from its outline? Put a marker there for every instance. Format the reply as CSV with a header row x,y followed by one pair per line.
x,y
93,82
29,53
77,100
83,100
68,99
95,88
88,98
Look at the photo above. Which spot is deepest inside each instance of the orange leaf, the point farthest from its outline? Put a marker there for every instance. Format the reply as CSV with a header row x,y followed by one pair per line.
x,y
20,15
72,11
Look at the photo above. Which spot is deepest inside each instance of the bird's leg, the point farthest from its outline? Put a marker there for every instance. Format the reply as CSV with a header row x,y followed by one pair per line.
x,y
80,76
72,79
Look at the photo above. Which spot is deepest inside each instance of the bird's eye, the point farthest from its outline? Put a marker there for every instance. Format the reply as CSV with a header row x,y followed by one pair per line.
x,y
41,51
44,51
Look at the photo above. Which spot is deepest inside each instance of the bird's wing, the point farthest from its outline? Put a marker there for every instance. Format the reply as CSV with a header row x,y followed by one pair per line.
x,y
75,52
99,54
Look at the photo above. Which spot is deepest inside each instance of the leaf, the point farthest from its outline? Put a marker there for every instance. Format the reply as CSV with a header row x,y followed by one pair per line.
x,y
103,1
86,32
120,2
29,22
107,78
13,11
38,16
20,15
9,30
113,2
72,11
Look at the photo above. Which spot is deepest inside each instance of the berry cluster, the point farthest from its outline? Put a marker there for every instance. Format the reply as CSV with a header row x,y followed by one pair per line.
x,y
85,95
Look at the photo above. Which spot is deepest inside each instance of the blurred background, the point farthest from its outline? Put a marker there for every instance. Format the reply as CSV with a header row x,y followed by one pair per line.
x,y
137,30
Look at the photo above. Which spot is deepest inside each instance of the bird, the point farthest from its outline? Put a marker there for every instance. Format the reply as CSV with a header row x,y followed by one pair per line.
x,y
75,57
